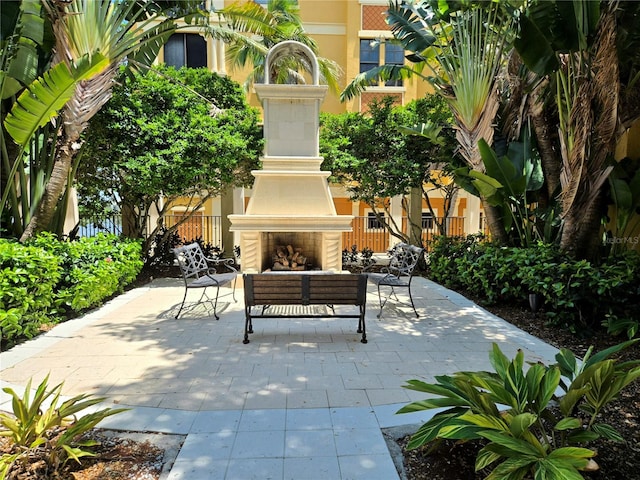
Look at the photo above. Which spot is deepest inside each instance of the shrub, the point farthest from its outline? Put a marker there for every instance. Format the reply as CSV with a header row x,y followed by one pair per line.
x,y
529,430
161,253
93,268
447,255
357,261
42,280
28,276
48,432
576,294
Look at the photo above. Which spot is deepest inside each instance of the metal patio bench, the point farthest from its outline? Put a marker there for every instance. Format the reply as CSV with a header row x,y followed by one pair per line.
x,y
398,274
199,271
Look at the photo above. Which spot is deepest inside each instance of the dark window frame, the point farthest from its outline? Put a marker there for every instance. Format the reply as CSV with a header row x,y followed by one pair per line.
x,y
186,50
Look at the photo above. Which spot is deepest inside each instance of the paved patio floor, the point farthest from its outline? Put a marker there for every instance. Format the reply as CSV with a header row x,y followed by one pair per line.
x,y
304,400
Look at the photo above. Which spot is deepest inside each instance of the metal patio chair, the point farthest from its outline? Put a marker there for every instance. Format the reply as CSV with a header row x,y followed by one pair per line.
x,y
199,271
398,274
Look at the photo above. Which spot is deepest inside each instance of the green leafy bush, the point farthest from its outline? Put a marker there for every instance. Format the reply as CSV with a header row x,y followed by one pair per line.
x,y
93,268
48,433
28,276
536,421
44,280
576,294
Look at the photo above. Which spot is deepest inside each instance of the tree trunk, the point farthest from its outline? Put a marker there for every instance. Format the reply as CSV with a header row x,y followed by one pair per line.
x,y
493,219
581,230
548,142
415,217
45,210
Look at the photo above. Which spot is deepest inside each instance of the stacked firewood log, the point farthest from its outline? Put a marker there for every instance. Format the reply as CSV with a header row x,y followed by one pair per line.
x,y
288,258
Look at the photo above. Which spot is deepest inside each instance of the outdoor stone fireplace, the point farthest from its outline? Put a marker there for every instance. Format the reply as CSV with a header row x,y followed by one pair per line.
x,y
291,202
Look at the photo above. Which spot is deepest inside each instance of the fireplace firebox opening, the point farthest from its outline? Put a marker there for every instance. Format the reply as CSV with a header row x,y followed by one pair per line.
x,y
293,246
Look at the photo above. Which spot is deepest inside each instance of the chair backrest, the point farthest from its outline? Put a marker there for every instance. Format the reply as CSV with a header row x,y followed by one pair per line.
x,y
404,259
191,260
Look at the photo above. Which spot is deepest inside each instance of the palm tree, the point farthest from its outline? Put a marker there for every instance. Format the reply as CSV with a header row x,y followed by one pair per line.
x,y
251,30
460,53
576,46
92,38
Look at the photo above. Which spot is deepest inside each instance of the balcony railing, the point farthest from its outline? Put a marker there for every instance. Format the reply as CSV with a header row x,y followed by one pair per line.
x,y
365,233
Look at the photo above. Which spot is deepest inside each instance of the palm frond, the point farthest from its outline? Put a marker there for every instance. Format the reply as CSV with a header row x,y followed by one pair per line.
x,y
19,57
330,73
371,77
409,27
47,95
151,43
249,17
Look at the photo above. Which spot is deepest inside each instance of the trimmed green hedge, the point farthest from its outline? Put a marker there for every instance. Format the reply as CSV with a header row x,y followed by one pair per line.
x,y
576,293
46,279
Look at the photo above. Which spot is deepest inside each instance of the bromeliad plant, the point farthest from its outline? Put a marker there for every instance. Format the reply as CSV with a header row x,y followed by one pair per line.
x,y
536,421
50,433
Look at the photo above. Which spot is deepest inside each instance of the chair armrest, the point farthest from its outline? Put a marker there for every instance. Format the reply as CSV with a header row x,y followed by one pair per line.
x,y
225,262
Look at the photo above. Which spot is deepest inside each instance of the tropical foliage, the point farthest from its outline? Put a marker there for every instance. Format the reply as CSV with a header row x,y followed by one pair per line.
x,y
567,66
513,409
46,430
167,135
391,151
68,81
460,53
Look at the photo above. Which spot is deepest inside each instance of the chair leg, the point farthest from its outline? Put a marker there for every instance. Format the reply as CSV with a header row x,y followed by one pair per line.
x,y
412,304
182,304
382,304
234,290
215,304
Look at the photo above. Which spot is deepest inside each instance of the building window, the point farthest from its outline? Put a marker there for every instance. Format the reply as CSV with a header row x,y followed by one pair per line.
x,y
372,52
393,55
427,220
369,54
373,223
186,50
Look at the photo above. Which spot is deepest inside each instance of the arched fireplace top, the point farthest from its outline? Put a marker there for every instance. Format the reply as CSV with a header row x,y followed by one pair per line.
x,y
292,48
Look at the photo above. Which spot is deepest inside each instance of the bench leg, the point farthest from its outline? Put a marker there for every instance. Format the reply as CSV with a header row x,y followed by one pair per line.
x,y
248,325
361,325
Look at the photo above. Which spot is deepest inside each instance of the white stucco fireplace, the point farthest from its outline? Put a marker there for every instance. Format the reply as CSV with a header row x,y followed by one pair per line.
x,y
291,202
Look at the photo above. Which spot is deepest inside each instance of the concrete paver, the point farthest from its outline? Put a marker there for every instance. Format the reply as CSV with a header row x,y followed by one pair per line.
x,y
304,399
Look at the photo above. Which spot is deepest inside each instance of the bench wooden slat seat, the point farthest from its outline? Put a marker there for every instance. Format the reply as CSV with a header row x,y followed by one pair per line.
x,y
199,271
267,289
398,274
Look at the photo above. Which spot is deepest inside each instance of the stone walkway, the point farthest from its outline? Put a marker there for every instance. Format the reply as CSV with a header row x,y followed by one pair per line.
x,y
305,399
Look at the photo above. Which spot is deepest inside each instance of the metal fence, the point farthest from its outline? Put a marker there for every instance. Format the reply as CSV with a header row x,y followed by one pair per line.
x,y
366,231
90,227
